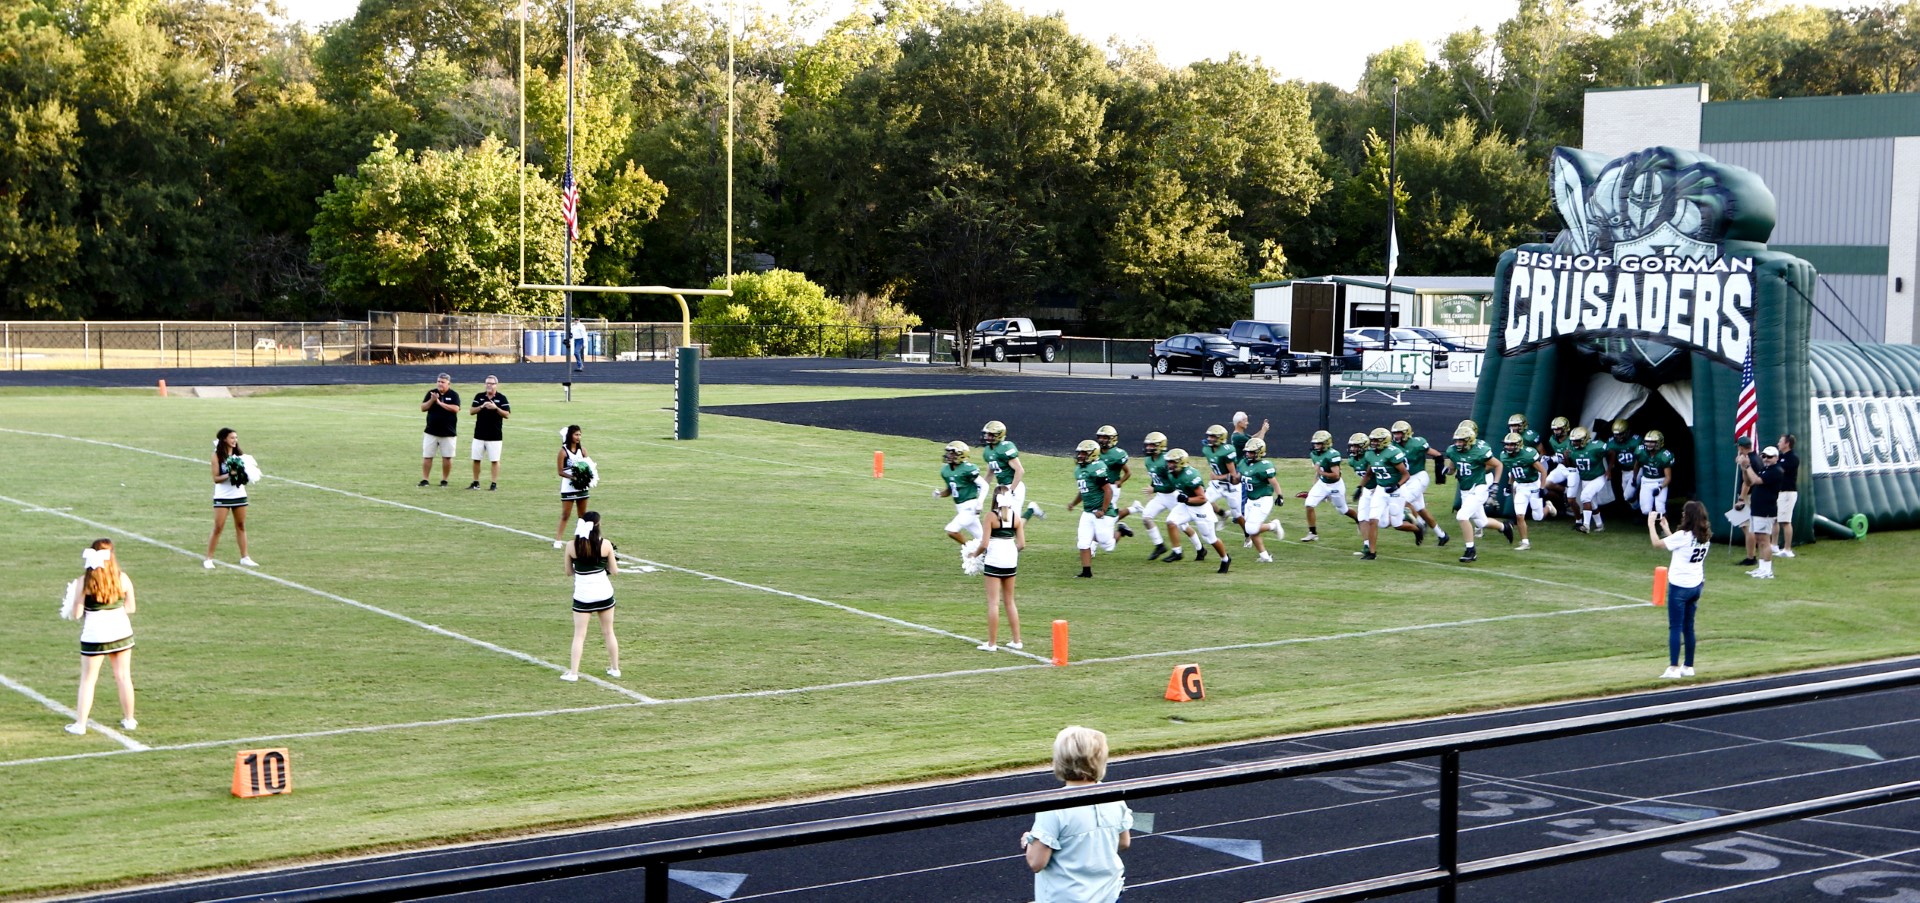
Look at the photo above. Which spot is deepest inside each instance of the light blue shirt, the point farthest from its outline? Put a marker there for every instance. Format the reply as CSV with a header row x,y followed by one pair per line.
x,y
1085,866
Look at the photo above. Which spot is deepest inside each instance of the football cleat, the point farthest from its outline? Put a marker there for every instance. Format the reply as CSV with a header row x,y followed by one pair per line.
x,y
1122,530
1265,557
1524,545
1172,556
1419,535
1158,550
1224,561
1200,554
1506,529
1310,537
1471,555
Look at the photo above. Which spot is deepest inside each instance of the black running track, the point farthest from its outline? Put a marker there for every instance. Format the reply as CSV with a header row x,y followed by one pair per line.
x,y
1262,839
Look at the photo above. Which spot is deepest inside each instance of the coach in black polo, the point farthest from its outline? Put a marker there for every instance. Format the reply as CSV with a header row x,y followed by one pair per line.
x,y
442,405
489,411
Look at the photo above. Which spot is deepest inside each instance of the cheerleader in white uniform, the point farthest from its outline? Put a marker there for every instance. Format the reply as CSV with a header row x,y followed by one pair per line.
x,y
102,599
230,493
1004,535
573,499
590,561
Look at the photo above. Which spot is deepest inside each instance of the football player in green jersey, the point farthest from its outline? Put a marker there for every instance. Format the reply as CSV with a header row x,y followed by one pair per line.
x,y
1224,486
1093,489
1475,468
1380,504
963,482
1656,474
1154,454
1517,423
1520,465
1591,466
1115,457
1414,493
1560,483
1259,481
1003,461
1625,448
1329,483
1190,488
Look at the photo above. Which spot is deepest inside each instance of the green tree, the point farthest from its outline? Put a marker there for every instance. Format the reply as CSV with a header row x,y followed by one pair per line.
x,y
970,253
438,230
1171,259
777,313
1464,199
39,168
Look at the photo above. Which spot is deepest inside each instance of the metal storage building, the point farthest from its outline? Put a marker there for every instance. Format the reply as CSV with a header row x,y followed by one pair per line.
x,y
1846,174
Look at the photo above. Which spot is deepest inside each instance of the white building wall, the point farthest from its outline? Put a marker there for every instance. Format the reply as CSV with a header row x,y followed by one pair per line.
x,y
1903,243
1273,304
1620,122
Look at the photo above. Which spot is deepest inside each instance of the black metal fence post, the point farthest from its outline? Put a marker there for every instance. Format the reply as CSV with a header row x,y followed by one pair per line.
x,y
1449,824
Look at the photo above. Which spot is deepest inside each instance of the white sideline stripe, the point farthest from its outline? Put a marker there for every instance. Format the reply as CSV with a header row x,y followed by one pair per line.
x,y
433,628
1584,590
131,744
1860,859
503,716
1357,634
898,622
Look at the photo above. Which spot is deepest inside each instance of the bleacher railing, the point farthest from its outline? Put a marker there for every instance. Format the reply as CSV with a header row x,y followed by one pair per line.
x,y
1444,877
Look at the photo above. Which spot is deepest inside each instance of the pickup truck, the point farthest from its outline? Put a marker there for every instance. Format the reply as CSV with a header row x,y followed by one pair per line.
x,y
1271,340
1007,337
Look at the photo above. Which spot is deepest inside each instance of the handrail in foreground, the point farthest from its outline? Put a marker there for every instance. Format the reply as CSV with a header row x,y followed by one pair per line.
x,y
656,857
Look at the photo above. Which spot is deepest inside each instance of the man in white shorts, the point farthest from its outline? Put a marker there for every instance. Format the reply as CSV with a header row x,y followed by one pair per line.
x,y
1162,501
1789,494
1414,491
1189,487
442,405
961,481
490,412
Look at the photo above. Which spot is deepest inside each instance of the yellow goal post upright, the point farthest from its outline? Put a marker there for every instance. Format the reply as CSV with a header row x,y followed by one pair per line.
x,y
686,370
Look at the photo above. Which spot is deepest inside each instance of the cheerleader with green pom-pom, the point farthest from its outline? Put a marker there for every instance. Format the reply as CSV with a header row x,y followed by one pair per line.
x,y
233,469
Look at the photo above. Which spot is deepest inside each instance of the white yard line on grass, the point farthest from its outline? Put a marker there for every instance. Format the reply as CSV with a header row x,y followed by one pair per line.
x,y
898,622
131,744
254,572
543,713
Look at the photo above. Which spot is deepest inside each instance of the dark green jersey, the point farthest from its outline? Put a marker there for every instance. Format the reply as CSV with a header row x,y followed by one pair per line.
x,y
1221,459
1557,449
1384,466
1187,483
1115,458
999,460
1529,437
1324,461
1093,478
1626,452
1591,461
1415,448
1157,472
1654,466
960,481
1518,466
1470,464
1258,477
1239,442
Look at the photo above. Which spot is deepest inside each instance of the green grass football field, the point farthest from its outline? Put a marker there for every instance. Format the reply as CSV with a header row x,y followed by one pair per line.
x,y
805,628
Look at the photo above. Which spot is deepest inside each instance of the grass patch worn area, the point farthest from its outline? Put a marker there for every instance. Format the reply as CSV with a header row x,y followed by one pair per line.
x,y
830,580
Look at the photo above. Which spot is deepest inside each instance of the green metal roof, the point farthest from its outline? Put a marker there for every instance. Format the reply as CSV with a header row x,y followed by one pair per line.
x,y
1811,118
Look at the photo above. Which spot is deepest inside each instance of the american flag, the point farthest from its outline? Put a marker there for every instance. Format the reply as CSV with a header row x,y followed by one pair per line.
x,y
1746,413
570,207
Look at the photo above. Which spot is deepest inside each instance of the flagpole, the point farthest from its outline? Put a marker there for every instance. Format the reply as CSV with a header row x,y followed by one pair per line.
x,y
566,312
1393,238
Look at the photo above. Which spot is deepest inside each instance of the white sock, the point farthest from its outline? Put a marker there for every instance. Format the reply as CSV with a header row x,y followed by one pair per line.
x,y
1442,533
1469,547
1586,518
1153,533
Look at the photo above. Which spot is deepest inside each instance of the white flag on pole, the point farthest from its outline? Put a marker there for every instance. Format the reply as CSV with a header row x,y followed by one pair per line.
x,y
1393,250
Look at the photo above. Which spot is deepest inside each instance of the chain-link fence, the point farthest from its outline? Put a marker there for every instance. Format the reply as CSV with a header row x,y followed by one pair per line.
x,y
413,338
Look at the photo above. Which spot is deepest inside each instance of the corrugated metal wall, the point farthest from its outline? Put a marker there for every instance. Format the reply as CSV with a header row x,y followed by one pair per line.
x,y
1863,317
1829,192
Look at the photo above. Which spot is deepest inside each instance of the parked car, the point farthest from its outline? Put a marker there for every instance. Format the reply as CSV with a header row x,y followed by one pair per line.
x,y
1205,352
1451,340
1006,337
1374,338
1268,339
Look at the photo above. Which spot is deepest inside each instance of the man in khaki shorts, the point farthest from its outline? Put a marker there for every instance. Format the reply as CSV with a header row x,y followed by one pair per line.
x,y
442,405
1789,494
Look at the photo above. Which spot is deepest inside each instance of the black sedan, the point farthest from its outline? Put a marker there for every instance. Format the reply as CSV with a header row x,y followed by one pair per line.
x,y
1208,353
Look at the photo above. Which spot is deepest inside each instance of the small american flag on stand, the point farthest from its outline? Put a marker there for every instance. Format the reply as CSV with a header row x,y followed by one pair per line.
x,y
570,211
1746,412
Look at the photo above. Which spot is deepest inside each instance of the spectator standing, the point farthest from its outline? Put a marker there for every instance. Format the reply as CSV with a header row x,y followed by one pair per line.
x,y
102,600
1764,497
1686,576
1789,497
442,405
490,411
1745,458
1075,853
579,346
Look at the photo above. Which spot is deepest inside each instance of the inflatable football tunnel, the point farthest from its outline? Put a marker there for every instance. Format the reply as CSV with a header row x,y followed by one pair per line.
x,y
1658,301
